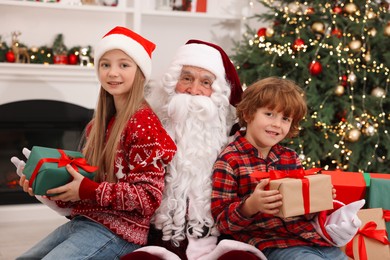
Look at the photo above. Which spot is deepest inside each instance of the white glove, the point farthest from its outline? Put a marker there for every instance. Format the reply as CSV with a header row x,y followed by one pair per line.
x,y
198,247
19,164
343,224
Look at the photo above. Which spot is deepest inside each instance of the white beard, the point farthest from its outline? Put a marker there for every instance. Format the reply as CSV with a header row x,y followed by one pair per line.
x,y
200,131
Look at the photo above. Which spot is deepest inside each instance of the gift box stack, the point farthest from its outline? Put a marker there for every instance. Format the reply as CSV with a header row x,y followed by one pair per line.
x,y
353,186
45,168
371,241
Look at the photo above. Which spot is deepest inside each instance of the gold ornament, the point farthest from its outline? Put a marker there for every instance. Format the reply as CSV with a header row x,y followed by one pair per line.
x,y
371,15
386,31
339,90
378,92
355,45
372,32
269,32
350,8
318,27
353,135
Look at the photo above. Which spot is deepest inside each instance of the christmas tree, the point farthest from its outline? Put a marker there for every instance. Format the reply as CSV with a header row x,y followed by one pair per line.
x,y
338,52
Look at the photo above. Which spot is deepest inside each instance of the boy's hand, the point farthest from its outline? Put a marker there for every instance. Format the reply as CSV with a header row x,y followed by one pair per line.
x,y
261,200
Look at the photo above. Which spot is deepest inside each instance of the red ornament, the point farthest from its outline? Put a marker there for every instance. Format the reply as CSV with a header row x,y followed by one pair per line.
x,y
315,68
310,10
337,10
73,59
344,81
10,56
337,32
298,44
261,32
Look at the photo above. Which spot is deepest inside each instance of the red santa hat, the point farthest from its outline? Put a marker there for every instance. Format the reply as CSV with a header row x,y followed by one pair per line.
x,y
133,44
214,59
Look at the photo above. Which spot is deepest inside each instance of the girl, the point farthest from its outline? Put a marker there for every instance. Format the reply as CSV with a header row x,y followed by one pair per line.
x,y
110,215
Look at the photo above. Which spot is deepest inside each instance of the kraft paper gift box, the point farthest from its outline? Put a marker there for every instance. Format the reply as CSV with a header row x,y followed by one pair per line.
x,y
379,196
45,168
303,195
371,241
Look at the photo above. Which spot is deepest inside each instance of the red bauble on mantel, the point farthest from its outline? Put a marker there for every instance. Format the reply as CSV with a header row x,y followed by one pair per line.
x,y
73,59
10,56
315,68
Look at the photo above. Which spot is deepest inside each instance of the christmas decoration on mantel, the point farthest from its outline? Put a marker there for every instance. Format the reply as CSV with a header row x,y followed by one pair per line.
x,y
338,52
58,53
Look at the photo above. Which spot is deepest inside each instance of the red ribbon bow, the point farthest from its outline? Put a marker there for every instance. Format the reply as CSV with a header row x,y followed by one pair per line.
x,y
369,230
64,160
386,215
279,174
295,174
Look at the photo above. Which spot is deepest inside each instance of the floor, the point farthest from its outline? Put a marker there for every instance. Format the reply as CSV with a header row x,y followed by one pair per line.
x,y
22,226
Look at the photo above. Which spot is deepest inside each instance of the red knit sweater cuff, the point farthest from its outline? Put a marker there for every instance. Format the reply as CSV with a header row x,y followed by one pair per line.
x,y
88,189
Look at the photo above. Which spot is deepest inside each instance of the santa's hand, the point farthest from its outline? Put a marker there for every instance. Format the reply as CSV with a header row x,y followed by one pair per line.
x,y
19,164
344,232
343,224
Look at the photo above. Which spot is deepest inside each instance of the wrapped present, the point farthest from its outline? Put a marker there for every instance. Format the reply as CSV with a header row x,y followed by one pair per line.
x,y
350,186
379,195
45,168
371,241
353,186
303,192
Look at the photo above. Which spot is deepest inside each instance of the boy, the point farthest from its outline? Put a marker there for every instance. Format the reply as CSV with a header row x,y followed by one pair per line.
x,y
269,111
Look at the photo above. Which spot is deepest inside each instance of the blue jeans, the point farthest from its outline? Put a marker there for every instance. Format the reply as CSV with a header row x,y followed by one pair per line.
x,y
304,253
80,238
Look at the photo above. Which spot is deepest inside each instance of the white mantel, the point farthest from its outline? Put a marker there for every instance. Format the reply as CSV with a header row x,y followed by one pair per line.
x,y
73,84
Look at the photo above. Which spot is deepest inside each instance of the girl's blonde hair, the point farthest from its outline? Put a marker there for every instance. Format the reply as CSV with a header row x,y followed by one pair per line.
x,y
97,150
283,95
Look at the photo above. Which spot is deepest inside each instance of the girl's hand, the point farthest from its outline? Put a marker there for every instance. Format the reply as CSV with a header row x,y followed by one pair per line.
x,y
70,191
261,200
25,185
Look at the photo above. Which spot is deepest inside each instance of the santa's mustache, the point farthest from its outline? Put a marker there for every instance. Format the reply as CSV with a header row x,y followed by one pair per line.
x,y
183,106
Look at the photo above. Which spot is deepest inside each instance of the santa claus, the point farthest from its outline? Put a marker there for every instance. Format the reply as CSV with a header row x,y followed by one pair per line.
x,y
195,101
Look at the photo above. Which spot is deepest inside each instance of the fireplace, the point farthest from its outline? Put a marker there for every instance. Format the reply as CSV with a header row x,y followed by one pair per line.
x,y
40,106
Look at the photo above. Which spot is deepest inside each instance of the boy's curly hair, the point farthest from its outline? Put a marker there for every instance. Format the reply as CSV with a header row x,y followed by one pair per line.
x,y
283,95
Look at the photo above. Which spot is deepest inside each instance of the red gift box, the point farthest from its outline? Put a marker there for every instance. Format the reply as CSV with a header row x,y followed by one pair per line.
x,y
352,186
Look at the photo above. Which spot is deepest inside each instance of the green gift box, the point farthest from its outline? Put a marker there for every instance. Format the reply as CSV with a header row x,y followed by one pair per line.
x,y
379,196
45,168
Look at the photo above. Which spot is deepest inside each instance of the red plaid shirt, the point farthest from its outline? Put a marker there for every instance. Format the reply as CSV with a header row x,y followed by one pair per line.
x,y
231,187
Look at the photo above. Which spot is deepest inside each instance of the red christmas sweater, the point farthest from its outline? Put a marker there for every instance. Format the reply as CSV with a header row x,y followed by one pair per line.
x,y
125,207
